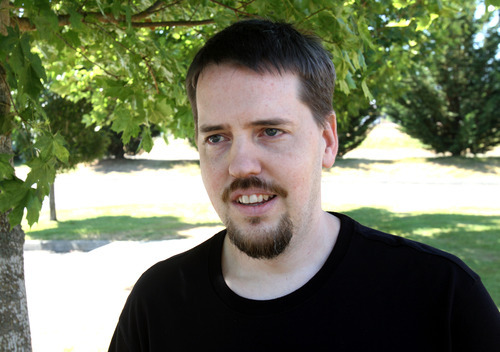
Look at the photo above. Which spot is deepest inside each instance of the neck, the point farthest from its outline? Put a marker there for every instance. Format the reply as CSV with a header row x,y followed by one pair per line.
x,y
263,279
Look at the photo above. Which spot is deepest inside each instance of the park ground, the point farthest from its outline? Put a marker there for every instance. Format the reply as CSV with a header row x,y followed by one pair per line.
x,y
153,205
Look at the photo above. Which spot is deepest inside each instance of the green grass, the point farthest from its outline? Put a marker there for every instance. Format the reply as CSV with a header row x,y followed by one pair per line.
x,y
389,138
128,222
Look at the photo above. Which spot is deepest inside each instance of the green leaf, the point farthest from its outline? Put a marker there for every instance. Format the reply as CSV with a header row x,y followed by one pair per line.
x,y
350,81
51,146
45,146
72,38
11,193
30,82
60,150
146,140
75,19
45,19
160,112
8,42
366,91
37,66
16,215
116,9
33,207
43,173
127,123
6,169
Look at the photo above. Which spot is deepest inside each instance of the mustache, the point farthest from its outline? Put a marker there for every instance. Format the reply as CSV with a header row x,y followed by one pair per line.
x,y
253,181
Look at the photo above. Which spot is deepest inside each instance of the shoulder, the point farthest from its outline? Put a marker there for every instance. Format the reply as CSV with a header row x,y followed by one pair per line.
x,y
177,271
397,251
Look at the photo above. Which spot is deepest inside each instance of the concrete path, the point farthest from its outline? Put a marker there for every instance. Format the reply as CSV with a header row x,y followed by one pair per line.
x,y
75,298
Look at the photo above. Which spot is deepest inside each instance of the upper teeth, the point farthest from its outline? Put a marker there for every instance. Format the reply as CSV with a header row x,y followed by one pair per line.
x,y
253,199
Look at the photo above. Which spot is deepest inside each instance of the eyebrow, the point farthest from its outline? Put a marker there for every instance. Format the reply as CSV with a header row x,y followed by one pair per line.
x,y
211,128
265,122
271,122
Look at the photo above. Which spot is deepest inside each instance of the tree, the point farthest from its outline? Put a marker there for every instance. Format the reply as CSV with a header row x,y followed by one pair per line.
x,y
354,121
130,58
84,143
453,98
13,304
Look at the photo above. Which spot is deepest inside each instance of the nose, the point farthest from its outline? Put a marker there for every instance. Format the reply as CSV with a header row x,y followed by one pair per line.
x,y
244,160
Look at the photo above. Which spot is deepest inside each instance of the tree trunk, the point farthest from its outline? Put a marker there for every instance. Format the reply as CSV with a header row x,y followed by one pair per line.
x,y
52,202
14,323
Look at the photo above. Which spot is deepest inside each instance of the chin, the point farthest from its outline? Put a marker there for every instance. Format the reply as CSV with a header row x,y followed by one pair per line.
x,y
259,242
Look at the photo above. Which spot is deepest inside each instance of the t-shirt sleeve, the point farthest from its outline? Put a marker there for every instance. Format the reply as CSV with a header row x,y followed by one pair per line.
x,y
130,333
475,321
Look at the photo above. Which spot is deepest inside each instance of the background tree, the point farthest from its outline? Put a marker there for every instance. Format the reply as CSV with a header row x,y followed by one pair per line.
x,y
354,120
130,58
452,100
84,143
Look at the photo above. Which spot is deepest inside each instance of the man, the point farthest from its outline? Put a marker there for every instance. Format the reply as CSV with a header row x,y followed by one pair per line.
x,y
285,275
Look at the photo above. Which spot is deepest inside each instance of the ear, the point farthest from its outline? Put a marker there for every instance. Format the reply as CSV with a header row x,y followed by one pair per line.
x,y
331,141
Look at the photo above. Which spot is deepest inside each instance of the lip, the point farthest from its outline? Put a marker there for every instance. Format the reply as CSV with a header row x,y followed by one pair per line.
x,y
256,209
248,192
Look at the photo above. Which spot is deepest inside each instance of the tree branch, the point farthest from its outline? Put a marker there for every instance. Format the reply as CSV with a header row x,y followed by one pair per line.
x,y
6,85
25,24
171,24
236,11
150,69
156,7
144,57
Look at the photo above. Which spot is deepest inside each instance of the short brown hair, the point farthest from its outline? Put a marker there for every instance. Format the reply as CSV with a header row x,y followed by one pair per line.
x,y
266,46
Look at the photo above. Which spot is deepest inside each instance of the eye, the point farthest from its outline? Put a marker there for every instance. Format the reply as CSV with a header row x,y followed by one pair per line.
x,y
272,132
214,139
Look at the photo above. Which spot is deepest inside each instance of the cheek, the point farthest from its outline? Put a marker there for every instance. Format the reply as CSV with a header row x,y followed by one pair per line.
x,y
212,176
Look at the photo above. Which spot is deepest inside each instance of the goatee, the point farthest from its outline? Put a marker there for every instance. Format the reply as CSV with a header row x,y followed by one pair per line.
x,y
263,244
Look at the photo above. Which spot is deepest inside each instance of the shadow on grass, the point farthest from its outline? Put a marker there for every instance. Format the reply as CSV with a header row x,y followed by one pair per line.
x,y
478,164
359,164
473,238
118,228
126,165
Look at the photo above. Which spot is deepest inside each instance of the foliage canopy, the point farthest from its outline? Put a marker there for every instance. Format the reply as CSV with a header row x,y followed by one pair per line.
x,y
128,59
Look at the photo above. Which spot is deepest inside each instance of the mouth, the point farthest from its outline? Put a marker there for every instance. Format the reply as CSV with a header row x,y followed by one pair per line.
x,y
254,199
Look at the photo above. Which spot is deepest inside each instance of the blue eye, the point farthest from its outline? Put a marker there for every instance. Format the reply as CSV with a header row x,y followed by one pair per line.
x,y
272,132
216,138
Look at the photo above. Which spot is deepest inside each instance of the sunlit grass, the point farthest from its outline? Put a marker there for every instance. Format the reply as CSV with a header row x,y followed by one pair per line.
x,y
128,222
388,137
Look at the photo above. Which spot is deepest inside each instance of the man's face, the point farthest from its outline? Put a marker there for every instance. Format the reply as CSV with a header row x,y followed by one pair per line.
x,y
261,154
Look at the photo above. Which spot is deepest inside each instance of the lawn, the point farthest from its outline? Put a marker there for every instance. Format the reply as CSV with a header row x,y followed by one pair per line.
x,y
449,203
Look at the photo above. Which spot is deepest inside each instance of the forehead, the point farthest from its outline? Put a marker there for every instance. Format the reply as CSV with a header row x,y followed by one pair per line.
x,y
232,75
230,91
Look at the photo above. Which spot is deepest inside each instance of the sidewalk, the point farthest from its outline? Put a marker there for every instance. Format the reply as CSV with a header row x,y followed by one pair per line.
x,y
75,297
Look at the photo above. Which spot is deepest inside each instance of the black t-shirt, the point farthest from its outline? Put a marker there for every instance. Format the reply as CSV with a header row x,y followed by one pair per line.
x,y
376,292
